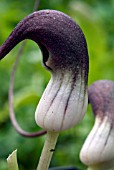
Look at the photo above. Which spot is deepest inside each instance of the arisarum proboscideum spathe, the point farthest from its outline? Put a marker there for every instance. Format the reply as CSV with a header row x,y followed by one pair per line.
x,y
97,152
65,55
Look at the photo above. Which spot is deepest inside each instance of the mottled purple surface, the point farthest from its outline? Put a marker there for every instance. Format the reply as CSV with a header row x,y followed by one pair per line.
x,y
61,40
101,97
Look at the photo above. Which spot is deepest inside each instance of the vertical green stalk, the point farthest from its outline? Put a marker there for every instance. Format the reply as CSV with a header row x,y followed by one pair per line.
x,y
48,149
89,168
12,161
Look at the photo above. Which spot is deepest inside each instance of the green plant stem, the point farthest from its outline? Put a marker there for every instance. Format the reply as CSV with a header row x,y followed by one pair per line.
x,y
12,161
89,168
96,168
93,168
48,149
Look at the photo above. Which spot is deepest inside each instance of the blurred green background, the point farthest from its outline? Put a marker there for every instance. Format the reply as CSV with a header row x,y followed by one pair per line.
x,y
95,17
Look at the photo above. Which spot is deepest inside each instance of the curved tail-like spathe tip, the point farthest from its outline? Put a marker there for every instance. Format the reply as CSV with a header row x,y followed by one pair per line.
x,y
65,54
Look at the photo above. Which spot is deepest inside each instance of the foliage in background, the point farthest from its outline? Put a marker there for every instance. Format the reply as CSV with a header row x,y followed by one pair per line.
x,y
96,20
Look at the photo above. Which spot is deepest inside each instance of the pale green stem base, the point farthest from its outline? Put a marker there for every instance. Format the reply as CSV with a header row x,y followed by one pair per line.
x,y
91,168
12,161
48,149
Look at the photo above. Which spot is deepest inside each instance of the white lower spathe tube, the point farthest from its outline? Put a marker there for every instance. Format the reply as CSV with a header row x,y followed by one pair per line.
x,y
63,103
97,151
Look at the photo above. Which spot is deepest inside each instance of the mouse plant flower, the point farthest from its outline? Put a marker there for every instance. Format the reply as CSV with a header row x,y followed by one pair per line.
x,y
97,151
63,45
